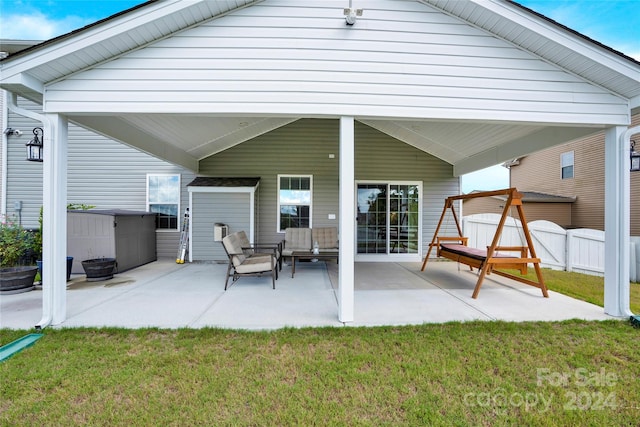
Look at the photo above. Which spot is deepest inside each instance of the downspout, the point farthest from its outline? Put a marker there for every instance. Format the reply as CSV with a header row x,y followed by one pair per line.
x,y
47,296
626,141
5,153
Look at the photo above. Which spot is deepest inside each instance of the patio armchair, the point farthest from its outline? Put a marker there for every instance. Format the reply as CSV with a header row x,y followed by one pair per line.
x,y
252,249
241,264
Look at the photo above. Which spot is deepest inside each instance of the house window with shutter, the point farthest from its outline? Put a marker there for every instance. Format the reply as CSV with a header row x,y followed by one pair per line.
x,y
566,163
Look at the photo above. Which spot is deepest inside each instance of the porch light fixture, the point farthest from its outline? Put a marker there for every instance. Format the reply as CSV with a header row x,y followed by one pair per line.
x,y
34,147
635,158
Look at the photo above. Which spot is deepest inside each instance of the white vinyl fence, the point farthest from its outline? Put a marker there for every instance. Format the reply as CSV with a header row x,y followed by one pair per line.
x,y
580,250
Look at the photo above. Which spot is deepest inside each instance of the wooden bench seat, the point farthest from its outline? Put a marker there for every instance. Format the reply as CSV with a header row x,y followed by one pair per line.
x,y
494,258
475,257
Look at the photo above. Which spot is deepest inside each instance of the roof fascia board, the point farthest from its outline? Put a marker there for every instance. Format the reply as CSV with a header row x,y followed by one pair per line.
x,y
203,189
557,34
71,43
25,86
100,33
26,81
554,32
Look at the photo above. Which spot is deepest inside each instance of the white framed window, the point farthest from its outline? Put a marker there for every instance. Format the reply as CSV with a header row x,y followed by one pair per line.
x,y
163,198
566,163
295,201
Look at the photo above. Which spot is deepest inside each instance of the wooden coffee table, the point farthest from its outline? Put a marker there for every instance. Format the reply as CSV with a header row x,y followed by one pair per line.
x,y
310,255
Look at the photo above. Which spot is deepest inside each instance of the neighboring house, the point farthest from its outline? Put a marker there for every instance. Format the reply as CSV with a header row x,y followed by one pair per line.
x,y
573,170
296,118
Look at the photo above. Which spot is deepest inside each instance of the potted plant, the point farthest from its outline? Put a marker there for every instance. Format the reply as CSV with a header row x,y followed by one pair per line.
x,y
16,253
98,269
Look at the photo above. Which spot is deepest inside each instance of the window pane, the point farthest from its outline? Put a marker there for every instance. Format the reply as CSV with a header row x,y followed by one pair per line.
x,y
167,215
567,159
567,172
295,197
164,189
305,183
294,216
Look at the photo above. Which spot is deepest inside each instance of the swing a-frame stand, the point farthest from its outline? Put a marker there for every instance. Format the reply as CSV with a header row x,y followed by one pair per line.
x,y
493,259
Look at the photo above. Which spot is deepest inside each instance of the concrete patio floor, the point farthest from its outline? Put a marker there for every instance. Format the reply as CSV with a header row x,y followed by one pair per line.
x,y
168,295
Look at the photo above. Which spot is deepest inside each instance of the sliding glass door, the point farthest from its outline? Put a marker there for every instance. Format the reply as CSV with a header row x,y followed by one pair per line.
x,y
388,219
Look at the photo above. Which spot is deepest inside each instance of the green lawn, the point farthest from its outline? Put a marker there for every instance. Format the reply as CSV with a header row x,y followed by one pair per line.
x,y
585,287
476,373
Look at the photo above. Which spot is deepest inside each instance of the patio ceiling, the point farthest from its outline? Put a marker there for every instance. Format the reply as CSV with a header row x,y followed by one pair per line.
x,y
186,139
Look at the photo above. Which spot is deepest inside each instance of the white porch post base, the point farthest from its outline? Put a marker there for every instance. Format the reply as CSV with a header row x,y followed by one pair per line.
x,y
347,221
617,223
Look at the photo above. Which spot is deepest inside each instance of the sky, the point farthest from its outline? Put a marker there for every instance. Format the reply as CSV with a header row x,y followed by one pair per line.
x,y
615,23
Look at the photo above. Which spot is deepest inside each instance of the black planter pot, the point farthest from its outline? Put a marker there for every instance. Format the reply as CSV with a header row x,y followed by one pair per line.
x,y
69,266
99,268
14,280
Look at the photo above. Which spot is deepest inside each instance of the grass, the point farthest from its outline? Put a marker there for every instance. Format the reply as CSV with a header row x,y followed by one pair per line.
x,y
475,373
584,287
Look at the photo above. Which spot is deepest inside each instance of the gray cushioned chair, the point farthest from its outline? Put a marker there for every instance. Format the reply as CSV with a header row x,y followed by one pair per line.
x,y
252,249
241,264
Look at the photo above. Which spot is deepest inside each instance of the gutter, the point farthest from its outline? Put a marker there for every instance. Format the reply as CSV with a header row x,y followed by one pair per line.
x,y
47,295
5,153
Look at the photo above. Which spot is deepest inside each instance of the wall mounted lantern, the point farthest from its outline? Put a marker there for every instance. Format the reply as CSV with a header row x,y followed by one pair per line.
x,y
35,146
635,158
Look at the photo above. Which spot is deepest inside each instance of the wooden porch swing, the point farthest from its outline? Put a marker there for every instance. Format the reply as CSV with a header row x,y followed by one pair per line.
x,y
493,259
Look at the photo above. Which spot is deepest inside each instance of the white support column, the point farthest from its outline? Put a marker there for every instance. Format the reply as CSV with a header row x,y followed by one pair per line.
x,y
54,235
617,223
347,220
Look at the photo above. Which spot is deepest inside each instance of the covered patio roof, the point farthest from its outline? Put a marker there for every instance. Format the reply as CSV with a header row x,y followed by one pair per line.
x,y
468,137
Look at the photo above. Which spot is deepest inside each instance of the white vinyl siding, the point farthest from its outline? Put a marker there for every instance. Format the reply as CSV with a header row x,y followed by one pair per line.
x,y
3,149
411,62
101,172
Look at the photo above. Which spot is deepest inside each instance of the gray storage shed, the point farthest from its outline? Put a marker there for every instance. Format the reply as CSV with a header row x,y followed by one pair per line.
x,y
127,236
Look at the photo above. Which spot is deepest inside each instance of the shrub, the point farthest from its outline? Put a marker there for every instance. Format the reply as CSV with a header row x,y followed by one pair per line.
x,y
16,243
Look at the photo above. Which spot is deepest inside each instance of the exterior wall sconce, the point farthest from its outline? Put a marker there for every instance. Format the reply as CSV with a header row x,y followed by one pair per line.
x,y
35,146
635,158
